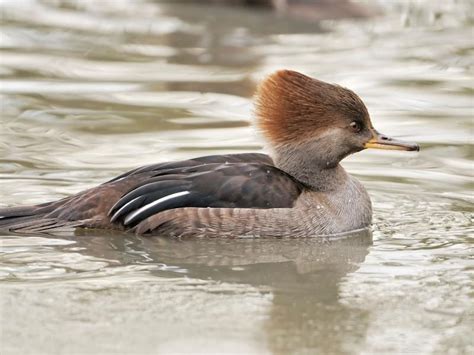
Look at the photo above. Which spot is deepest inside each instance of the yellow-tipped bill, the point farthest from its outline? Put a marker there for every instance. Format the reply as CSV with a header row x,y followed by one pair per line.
x,y
380,141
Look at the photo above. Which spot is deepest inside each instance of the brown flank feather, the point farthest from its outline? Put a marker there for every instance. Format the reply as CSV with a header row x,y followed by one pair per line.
x,y
291,106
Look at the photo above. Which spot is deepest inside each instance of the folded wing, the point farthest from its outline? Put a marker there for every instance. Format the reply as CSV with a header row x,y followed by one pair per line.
x,y
224,185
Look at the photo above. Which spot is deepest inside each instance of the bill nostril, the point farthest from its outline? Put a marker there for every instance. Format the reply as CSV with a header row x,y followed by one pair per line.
x,y
385,138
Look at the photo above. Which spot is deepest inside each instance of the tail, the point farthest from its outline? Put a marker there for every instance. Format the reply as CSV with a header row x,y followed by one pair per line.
x,y
32,219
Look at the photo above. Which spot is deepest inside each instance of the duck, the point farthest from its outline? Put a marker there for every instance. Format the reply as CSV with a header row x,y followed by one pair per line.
x,y
299,190
305,10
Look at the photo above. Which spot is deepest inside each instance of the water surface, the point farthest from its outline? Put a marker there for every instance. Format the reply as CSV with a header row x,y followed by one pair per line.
x,y
91,89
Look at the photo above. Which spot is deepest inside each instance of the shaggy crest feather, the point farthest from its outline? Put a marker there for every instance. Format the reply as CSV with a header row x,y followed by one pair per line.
x,y
291,106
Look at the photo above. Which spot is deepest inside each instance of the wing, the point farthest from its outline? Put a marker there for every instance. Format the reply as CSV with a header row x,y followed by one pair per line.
x,y
89,208
209,159
228,185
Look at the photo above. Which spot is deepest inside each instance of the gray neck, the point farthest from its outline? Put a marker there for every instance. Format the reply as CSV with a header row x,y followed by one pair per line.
x,y
315,170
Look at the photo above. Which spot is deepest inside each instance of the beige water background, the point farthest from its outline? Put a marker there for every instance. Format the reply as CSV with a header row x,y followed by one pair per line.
x,y
93,88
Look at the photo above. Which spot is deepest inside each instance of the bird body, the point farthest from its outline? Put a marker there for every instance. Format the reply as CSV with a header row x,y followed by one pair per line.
x,y
301,190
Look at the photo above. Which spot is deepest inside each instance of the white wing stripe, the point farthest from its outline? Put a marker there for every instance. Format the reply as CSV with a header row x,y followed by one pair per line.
x,y
153,204
123,207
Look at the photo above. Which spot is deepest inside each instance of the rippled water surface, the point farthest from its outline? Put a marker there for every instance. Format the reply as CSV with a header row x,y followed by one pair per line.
x,y
93,88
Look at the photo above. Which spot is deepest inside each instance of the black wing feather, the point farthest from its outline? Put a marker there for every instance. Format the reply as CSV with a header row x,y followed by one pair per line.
x,y
193,199
154,188
209,159
204,184
230,181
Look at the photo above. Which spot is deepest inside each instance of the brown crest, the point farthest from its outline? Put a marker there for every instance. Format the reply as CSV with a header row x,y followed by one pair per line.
x,y
291,106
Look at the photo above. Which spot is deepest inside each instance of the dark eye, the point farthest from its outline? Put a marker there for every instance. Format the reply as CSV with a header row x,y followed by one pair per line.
x,y
355,126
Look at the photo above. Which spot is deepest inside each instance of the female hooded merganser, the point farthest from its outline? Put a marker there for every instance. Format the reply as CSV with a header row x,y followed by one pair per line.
x,y
301,190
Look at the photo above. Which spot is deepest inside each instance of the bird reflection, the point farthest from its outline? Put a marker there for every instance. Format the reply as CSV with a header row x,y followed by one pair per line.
x,y
302,275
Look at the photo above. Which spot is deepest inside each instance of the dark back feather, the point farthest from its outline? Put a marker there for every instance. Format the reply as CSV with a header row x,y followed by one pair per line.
x,y
231,181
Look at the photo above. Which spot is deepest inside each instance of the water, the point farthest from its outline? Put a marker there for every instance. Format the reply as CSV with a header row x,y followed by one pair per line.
x,y
91,89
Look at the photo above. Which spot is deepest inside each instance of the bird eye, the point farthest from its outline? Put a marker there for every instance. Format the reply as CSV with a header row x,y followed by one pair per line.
x,y
355,126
